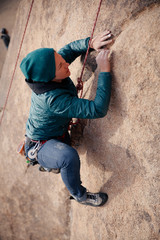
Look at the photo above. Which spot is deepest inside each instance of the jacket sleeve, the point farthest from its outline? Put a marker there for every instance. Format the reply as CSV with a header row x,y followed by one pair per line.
x,y
67,106
74,49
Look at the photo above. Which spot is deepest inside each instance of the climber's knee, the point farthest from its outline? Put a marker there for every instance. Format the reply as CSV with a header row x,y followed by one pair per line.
x,y
71,158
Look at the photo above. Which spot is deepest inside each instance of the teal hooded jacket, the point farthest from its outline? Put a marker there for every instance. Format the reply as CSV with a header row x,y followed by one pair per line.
x,y
51,111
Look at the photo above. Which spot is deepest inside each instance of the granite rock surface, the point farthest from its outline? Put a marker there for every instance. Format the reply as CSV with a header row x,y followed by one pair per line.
x,y
119,153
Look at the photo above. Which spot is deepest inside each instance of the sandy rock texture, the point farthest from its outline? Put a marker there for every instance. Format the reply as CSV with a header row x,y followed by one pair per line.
x,y
119,153
8,9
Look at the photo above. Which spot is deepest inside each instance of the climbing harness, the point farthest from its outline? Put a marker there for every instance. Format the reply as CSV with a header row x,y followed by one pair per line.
x,y
32,153
31,156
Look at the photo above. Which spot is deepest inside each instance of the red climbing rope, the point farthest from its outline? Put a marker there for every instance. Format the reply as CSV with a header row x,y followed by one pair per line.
x,y
16,62
79,86
79,80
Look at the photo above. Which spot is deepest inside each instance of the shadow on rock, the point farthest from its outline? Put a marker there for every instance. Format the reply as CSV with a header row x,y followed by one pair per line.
x,y
120,163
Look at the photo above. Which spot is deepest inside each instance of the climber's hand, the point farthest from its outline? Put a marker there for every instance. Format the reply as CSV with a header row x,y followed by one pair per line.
x,y
102,40
102,60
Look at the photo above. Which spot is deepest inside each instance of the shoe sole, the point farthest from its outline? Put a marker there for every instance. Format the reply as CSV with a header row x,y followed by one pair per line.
x,y
103,196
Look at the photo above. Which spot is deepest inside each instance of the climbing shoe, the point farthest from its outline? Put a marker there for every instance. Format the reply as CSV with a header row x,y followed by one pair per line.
x,y
94,199
53,170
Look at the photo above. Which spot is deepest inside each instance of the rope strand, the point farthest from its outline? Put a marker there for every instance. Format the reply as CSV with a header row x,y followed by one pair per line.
x,y
80,84
79,80
4,108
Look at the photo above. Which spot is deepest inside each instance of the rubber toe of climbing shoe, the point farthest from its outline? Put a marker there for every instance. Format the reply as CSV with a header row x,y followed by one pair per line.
x,y
94,199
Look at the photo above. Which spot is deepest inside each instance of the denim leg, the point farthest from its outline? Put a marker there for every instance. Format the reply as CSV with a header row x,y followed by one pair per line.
x,y
55,154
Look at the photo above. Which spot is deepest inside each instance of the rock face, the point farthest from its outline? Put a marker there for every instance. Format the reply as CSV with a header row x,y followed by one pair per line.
x,y
119,153
8,9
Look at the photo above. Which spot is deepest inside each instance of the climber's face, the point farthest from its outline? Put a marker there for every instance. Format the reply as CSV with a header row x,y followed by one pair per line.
x,y
62,70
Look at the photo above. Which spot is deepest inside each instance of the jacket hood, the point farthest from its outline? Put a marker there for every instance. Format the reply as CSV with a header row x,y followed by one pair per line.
x,y
39,65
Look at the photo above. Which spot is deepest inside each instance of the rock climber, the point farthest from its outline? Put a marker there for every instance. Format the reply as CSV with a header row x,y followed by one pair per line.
x,y
5,37
54,102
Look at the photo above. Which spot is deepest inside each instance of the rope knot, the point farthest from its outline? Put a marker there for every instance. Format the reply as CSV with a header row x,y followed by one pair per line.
x,y
80,84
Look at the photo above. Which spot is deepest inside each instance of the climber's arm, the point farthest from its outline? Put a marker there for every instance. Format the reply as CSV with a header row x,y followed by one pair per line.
x,y
74,49
67,106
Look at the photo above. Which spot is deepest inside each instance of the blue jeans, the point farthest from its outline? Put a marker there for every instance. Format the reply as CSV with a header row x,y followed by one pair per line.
x,y
56,154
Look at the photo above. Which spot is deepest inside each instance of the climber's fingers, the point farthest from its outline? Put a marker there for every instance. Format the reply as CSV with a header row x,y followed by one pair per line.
x,y
105,43
109,35
101,40
102,60
102,34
